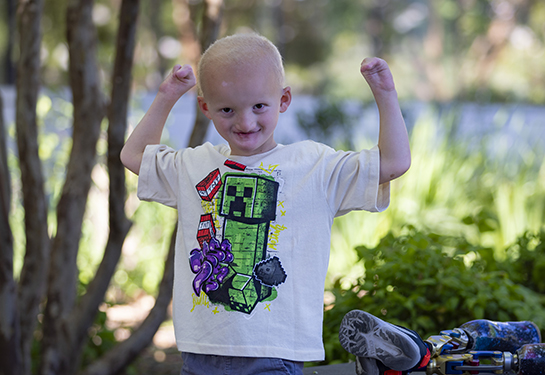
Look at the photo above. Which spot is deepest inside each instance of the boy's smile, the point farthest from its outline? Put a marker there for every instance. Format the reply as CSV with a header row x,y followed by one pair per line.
x,y
244,103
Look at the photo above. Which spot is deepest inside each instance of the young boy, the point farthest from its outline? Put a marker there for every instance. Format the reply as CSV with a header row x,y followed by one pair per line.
x,y
255,216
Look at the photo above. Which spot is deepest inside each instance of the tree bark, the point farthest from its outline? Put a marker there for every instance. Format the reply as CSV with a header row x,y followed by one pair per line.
x,y
9,66
10,355
33,275
87,308
211,22
123,354
184,18
156,23
59,356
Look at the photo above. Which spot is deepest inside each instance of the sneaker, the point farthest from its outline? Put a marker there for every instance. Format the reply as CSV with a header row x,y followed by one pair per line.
x,y
367,366
371,338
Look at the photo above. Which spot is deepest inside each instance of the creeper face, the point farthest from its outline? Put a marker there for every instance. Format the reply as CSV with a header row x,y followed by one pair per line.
x,y
249,199
239,198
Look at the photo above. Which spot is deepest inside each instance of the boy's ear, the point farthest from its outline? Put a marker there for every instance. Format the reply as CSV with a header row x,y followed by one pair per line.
x,y
285,100
204,107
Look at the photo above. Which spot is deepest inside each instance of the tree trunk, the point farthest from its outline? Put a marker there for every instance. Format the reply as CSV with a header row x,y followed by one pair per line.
x,y
123,354
156,23
211,22
9,67
59,342
10,356
33,275
85,312
184,18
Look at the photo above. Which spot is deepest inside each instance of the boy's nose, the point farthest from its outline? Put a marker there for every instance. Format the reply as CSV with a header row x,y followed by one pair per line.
x,y
245,122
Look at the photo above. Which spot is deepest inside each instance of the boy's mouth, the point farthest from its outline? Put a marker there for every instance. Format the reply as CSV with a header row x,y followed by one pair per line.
x,y
247,133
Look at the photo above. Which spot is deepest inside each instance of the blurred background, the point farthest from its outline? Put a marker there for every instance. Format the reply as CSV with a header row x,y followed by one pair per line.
x,y
469,50
470,76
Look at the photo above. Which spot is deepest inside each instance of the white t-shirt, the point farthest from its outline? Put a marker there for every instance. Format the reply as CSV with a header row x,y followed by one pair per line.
x,y
253,241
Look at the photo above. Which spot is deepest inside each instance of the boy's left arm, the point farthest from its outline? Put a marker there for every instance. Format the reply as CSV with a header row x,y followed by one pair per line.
x,y
393,142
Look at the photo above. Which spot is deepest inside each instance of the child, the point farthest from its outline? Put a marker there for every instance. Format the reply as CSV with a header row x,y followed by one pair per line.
x,y
255,216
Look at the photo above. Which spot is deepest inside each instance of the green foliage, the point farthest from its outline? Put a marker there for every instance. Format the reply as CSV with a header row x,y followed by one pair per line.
x,y
479,186
432,282
526,263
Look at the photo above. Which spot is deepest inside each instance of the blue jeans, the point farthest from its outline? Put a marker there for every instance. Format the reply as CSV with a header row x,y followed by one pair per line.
x,y
201,364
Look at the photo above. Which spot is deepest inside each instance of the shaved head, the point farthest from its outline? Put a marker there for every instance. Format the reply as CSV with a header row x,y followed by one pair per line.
x,y
236,52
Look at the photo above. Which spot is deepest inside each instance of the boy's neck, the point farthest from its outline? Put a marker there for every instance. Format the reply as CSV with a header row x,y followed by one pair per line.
x,y
255,153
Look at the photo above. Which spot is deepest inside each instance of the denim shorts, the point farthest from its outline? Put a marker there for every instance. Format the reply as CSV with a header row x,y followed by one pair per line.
x,y
202,364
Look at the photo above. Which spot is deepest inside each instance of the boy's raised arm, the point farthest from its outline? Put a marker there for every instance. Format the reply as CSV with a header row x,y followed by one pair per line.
x,y
393,142
149,129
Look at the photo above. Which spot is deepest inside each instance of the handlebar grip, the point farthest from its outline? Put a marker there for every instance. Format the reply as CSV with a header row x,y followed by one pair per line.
x,y
531,358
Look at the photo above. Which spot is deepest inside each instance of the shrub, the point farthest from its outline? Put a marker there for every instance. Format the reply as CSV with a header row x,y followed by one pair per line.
x,y
429,282
526,264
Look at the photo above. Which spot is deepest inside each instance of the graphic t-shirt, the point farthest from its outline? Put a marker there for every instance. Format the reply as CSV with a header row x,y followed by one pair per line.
x,y
253,241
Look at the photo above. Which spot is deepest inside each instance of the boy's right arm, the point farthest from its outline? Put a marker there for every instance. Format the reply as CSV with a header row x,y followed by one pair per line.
x,y
393,140
149,129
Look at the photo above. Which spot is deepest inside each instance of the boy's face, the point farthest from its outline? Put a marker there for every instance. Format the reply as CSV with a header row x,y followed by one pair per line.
x,y
244,103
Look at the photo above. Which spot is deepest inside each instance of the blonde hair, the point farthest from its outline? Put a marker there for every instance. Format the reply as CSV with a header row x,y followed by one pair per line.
x,y
239,49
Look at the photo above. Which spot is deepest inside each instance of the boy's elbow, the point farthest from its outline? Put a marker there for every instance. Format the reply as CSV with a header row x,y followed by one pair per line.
x,y
404,166
395,170
402,163
130,161
124,157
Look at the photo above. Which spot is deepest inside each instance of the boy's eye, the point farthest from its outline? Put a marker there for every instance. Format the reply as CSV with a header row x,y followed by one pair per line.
x,y
259,106
226,110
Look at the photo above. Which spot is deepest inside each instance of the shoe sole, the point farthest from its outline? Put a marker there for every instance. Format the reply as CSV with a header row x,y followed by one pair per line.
x,y
365,335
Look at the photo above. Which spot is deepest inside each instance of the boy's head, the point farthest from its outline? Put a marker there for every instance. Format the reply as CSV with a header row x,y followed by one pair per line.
x,y
240,82
239,50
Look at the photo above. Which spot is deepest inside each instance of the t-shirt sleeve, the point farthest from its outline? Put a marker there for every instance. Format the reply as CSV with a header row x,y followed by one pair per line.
x,y
352,182
158,177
